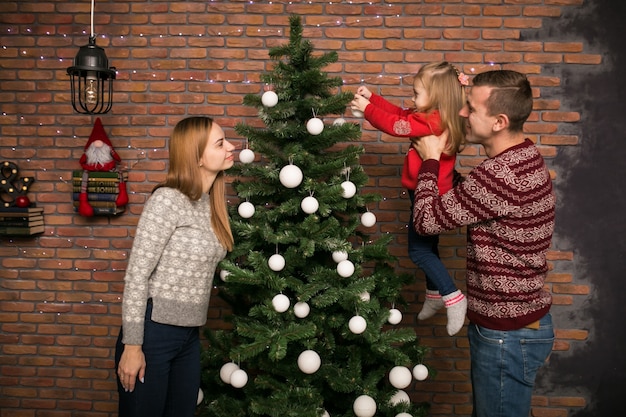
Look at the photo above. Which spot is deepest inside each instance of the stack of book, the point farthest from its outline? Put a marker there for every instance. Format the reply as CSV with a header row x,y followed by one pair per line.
x,y
102,191
16,221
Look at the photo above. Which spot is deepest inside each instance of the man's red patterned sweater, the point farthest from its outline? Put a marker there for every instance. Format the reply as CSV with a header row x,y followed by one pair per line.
x,y
507,204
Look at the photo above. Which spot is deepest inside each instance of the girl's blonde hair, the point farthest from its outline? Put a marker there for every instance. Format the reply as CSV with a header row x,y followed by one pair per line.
x,y
186,146
447,94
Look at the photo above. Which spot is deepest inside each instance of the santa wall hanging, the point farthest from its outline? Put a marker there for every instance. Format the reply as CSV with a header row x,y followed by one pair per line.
x,y
100,187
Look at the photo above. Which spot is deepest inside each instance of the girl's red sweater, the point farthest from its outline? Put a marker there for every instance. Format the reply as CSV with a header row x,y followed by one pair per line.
x,y
400,122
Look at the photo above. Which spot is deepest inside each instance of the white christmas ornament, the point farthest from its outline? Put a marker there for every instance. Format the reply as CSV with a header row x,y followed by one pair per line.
x,y
395,316
246,210
356,113
281,303
340,255
301,309
339,121
309,361
400,397
348,189
364,296
200,396
309,205
239,378
400,377
224,275
315,126
404,415
290,176
420,372
345,268
364,406
226,371
368,219
276,262
246,156
357,325
269,99
326,414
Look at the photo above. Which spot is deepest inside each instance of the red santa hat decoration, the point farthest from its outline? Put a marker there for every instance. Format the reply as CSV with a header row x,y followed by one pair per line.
x,y
99,156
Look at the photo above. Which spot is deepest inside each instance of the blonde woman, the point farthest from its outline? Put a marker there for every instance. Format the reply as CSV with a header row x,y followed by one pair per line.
x,y
182,234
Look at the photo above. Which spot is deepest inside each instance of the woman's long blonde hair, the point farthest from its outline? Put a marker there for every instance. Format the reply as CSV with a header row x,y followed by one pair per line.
x,y
186,146
447,95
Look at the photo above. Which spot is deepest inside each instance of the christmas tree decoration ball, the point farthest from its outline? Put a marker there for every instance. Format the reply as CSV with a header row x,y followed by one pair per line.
x,y
276,262
315,126
400,377
339,121
368,219
395,316
224,275
340,255
345,268
246,209
200,396
226,371
269,99
420,372
239,378
301,309
356,113
364,296
309,205
364,406
400,397
357,325
281,303
290,176
326,414
348,189
309,361
246,156
404,415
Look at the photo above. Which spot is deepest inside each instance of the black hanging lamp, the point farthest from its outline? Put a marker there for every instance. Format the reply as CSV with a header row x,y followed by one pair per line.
x,y
91,78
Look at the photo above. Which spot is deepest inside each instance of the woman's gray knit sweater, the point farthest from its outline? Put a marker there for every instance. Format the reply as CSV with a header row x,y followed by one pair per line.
x,y
173,261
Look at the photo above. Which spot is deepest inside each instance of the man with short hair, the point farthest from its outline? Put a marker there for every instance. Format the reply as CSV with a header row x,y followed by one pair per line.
x,y
507,204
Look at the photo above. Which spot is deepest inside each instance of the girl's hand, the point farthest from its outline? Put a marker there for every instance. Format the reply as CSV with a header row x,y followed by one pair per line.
x,y
132,366
364,91
359,103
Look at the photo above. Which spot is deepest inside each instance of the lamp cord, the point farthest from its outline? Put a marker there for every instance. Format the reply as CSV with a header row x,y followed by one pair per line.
x,y
93,34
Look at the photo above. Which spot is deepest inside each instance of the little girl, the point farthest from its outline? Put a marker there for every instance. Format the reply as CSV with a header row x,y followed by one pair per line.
x,y
438,96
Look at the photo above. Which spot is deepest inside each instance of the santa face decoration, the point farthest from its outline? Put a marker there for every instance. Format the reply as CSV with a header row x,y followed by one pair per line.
x,y
99,156
99,153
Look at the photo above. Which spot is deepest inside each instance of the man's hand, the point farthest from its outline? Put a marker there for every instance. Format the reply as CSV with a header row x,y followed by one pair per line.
x,y
431,146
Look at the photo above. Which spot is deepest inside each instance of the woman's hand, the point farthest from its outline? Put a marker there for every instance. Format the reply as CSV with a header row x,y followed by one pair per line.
x,y
132,366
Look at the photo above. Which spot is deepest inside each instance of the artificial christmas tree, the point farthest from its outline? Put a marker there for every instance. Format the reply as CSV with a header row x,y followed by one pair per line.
x,y
311,294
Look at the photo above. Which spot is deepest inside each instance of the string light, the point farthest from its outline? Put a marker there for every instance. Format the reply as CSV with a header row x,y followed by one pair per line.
x,y
142,155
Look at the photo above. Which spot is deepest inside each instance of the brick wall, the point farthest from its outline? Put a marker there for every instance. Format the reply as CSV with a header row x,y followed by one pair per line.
x,y
60,291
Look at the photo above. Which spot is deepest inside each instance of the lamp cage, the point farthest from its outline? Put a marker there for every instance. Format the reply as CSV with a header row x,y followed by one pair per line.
x,y
91,80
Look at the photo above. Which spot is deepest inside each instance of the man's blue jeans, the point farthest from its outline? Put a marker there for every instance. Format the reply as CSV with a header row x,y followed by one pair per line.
x,y
504,367
172,372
